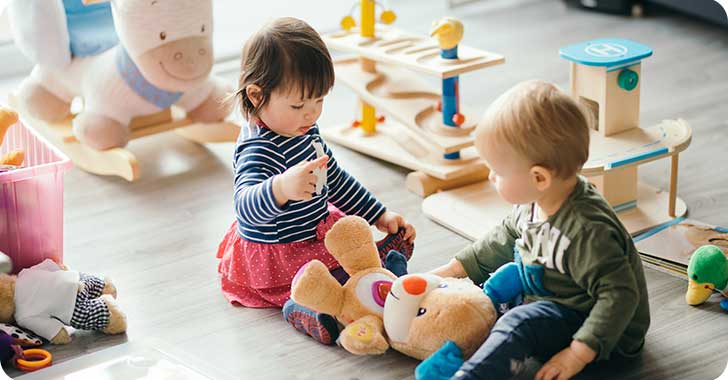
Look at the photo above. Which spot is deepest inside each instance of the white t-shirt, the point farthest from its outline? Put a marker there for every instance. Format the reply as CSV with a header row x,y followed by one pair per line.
x,y
45,296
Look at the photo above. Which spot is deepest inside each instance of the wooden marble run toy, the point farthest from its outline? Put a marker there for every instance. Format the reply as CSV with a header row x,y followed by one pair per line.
x,y
122,162
431,132
605,75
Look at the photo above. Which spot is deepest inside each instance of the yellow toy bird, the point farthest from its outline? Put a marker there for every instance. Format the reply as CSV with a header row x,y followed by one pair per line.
x,y
448,31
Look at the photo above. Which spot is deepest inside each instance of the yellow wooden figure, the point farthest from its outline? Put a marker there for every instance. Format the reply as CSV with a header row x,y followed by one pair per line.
x,y
448,31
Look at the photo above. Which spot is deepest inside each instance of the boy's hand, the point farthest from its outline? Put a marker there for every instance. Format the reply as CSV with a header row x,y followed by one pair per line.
x,y
567,363
390,222
297,183
452,269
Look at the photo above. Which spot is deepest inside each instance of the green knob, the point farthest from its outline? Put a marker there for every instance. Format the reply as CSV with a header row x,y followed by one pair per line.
x,y
628,79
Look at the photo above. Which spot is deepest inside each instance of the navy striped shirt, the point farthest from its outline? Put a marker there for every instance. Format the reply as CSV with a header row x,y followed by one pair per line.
x,y
262,154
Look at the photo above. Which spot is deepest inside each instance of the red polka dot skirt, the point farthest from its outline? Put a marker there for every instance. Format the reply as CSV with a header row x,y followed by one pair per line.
x,y
259,275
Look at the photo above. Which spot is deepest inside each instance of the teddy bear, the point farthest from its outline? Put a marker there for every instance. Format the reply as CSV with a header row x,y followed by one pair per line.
x,y
48,296
415,314
124,58
361,299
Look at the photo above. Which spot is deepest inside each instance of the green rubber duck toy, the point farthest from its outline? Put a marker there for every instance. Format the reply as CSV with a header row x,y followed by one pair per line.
x,y
707,271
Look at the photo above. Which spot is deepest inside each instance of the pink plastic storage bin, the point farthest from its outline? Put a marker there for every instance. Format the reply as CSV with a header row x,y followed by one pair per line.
x,y
31,200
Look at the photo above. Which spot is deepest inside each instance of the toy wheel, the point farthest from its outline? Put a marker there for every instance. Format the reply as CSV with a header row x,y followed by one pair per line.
x,y
628,80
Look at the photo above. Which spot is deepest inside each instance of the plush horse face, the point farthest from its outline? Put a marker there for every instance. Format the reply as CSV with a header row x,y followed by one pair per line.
x,y
170,41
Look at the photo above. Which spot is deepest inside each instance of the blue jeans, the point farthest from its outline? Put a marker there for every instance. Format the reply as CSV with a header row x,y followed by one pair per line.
x,y
539,329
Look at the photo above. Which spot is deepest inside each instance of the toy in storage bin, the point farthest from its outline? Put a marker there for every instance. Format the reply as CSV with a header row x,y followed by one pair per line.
x,y
31,200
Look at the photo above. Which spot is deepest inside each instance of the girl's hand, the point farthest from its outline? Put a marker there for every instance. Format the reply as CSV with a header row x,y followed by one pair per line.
x,y
391,222
297,183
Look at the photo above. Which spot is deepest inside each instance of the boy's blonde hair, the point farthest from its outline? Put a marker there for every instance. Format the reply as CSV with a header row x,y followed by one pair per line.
x,y
542,123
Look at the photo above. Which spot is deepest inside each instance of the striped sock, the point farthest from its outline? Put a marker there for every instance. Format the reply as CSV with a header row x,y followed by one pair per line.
x,y
395,242
321,327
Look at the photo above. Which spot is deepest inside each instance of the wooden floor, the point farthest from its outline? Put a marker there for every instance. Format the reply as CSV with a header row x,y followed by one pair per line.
x,y
157,237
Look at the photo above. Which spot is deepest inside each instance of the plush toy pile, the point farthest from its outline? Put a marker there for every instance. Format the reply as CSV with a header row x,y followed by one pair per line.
x,y
47,297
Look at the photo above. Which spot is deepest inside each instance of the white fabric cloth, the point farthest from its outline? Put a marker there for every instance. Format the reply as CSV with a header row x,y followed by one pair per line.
x,y
45,296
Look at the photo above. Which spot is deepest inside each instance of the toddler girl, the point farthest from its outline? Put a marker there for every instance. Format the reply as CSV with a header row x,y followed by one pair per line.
x,y
289,189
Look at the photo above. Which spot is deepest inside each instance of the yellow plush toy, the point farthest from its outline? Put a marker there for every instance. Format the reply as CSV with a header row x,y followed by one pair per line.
x,y
7,119
420,314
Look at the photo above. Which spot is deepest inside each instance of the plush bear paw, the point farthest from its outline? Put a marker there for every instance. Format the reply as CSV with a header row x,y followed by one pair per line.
x,y
62,337
364,337
109,288
117,318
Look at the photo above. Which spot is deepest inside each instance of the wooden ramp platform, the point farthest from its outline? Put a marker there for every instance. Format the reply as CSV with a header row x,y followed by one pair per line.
x,y
394,143
636,146
473,209
405,97
411,51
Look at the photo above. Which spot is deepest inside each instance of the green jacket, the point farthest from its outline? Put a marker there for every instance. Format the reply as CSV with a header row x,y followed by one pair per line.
x,y
590,264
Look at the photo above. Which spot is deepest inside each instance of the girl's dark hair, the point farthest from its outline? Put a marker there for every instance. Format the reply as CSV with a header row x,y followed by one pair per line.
x,y
287,53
